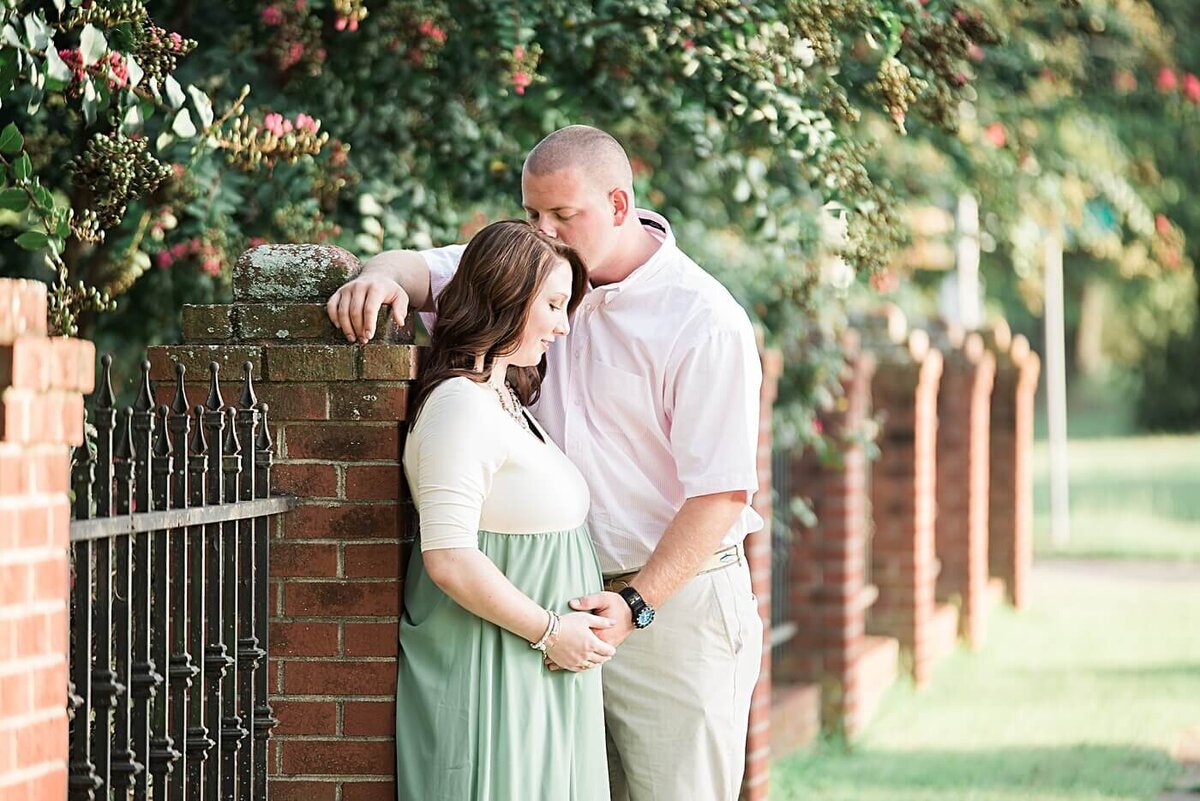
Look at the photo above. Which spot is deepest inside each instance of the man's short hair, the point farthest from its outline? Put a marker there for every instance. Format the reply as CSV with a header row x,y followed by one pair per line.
x,y
582,147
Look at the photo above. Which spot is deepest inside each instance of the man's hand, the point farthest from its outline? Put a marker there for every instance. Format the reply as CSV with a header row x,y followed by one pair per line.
x,y
354,308
612,606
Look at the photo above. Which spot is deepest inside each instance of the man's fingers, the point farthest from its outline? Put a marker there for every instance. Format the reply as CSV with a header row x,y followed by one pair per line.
x,y
339,311
604,649
372,300
399,312
586,603
597,622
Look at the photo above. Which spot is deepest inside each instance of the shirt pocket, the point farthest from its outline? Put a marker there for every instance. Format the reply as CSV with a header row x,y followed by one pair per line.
x,y
621,402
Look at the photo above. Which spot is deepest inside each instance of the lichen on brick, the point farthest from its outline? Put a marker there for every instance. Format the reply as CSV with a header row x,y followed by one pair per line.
x,y
292,272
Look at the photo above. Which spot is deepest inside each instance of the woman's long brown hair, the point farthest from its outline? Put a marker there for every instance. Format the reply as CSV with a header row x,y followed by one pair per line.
x,y
486,304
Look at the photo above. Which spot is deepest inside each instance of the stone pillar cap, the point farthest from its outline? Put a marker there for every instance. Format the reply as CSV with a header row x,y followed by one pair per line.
x,y
292,273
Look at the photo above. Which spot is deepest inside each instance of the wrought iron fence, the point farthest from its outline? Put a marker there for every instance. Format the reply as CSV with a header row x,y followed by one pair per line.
x,y
169,595
783,628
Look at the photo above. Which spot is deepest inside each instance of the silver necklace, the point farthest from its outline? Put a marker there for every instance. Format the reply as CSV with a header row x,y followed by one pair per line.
x,y
512,406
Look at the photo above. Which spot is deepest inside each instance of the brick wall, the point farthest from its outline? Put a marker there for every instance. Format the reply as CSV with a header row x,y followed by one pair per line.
x,y
42,381
1011,488
758,553
336,414
964,409
904,566
827,564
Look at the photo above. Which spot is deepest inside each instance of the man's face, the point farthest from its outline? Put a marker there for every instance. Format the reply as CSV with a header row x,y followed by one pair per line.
x,y
571,207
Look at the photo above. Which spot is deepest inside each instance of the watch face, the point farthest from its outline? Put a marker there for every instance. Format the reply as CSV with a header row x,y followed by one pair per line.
x,y
644,618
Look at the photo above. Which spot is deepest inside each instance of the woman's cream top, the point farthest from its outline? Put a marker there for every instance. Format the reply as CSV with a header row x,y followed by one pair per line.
x,y
472,467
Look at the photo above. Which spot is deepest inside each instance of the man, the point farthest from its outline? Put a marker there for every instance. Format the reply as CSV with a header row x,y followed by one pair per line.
x,y
655,396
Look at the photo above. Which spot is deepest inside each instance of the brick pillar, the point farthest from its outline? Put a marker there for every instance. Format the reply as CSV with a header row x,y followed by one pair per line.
x,y
1011,518
828,568
42,381
336,415
964,423
758,554
903,491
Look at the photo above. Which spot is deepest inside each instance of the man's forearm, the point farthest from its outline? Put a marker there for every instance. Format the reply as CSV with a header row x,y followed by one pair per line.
x,y
408,269
692,536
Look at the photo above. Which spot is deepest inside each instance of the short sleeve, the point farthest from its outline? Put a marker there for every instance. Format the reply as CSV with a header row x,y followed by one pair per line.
x,y
451,464
442,263
714,393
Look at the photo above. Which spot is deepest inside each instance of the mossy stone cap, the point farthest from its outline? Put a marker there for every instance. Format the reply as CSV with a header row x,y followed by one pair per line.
x,y
298,273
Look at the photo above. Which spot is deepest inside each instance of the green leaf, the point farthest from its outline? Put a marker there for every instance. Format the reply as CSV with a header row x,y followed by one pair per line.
x,y
63,227
11,140
132,121
44,198
22,167
14,200
33,240
10,36
36,32
183,126
203,106
163,141
135,71
61,5
174,92
58,74
92,45
91,100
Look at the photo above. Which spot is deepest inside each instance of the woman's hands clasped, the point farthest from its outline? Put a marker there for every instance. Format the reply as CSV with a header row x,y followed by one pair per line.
x,y
576,647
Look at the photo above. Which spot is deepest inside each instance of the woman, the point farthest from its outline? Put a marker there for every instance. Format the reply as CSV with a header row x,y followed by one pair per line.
x,y
503,548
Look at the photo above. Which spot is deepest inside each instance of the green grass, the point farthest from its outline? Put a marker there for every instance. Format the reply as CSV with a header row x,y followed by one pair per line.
x,y
1130,497
1078,699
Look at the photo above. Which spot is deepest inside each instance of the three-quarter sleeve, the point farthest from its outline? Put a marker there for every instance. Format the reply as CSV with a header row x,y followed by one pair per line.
x,y
443,264
451,464
714,391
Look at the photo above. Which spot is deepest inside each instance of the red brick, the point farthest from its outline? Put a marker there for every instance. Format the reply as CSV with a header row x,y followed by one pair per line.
x,y
207,323
340,758
368,791
372,639
26,363
295,401
296,559
373,482
196,359
369,718
311,363
362,400
25,304
343,442
349,522
339,599
339,678
284,789
388,363
304,639
305,480
305,717
372,561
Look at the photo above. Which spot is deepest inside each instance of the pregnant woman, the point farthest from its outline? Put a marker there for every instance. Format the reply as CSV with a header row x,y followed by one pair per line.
x,y
503,548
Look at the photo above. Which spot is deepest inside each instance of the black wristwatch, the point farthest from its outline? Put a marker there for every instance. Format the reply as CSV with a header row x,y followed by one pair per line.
x,y
643,613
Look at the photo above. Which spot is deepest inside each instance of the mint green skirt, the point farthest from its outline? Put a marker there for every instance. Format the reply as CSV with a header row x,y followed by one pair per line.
x,y
478,716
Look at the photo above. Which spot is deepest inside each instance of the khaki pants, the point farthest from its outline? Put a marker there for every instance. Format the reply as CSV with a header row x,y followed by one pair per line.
x,y
677,694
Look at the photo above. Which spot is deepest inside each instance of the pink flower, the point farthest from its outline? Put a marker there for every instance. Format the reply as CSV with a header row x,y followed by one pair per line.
x,y
688,44
817,426
996,134
1162,224
353,26
1124,81
1166,81
1191,88
975,52
307,123
211,266
340,23
300,4
164,259
520,81
519,53
273,122
272,15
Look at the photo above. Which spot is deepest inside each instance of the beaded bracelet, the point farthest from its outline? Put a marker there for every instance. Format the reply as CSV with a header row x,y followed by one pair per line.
x,y
549,634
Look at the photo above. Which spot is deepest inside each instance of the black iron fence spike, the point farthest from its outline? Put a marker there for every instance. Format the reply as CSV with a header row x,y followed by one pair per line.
x,y
199,442
105,398
231,445
248,400
214,402
145,398
180,404
162,440
263,441
125,448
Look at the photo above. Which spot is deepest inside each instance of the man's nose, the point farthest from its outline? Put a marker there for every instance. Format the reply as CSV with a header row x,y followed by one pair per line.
x,y
547,228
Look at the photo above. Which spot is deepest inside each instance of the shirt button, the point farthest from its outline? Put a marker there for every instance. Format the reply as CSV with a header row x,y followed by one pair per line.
x,y
578,402
578,354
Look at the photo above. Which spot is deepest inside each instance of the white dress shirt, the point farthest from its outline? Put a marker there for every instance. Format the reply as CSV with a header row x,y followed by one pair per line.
x,y
654,395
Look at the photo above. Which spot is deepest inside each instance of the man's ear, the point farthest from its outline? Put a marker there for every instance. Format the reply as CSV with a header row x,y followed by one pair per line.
x,y
622,205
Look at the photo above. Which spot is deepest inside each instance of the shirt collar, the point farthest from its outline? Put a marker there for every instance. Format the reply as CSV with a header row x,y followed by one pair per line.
x,y
657,226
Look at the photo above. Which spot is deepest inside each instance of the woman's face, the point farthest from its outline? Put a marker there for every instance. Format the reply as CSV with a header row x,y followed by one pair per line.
x,y
547,317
